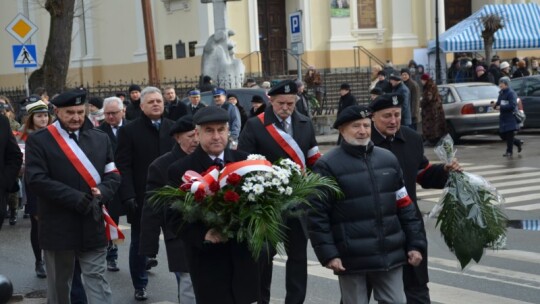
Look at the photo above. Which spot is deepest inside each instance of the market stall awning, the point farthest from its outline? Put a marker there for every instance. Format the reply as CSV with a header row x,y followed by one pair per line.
x,y
521,30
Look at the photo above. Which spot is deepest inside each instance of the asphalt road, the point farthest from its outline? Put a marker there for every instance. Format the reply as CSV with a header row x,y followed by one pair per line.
x,y
511,275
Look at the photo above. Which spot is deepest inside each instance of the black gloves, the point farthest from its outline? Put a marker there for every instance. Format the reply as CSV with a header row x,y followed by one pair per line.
x,y
84,205
131,206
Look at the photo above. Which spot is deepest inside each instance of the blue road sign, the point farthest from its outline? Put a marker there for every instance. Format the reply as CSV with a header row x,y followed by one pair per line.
x,y
295,22
24,56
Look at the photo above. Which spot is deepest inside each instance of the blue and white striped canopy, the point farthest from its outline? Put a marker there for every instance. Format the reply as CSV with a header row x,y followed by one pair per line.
x,y
521,29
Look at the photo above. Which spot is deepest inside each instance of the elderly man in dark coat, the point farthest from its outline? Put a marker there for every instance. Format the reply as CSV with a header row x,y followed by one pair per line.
x,y
282,132
221,272
70,194
10,163
407,146
367,235
139,143
153,220
113,110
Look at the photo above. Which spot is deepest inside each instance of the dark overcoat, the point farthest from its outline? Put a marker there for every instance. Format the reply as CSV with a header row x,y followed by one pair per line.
x,y
60,189
345,101
221,273
192,110
11,159
154,219
408,148
507,102
133,109
114,207
139,144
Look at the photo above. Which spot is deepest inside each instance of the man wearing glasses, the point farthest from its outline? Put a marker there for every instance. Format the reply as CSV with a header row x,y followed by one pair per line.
x,y
220,100
113,109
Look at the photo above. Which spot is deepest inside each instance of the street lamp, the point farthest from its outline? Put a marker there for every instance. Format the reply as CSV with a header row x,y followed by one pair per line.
x,y
437,56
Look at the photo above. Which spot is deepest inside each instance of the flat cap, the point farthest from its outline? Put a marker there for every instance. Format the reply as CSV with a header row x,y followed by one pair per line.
x,y
96,102
210,114
386,101
257,98
69,99
284,87
182,124
352,113
219,91
345,86
395,77
37,107
194,93
134,87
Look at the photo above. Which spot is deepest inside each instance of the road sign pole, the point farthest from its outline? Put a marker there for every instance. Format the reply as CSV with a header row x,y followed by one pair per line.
x,y
26,84
299,66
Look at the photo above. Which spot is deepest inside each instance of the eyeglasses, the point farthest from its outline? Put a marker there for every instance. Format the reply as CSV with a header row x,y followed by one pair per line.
x,y
112,113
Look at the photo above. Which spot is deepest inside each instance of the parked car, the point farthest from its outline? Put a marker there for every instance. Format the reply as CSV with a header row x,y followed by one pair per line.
x,y
244,97
528,90
468,108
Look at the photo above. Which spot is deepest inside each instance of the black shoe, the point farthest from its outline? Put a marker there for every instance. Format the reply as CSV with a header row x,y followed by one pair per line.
x,y
141,295
507,154
112,266
151,262
40,270
12,217
520,146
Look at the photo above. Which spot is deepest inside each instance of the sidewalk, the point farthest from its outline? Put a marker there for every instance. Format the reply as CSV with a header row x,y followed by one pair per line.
x,y
327,140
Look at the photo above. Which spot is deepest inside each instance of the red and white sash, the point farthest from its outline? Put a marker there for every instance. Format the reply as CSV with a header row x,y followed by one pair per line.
x,y
86,169
290,146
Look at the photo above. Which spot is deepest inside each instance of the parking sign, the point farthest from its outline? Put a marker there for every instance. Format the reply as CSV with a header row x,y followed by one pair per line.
x,y
295,22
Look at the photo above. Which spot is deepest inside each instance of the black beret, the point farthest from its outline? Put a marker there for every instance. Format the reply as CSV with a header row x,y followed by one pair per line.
x,y
405,70
70,98
386,101
395,77
183,124
352,113
96,102
134,87
232,95
381,73
118,94
376,91
345,86
210,114
257,98
284,87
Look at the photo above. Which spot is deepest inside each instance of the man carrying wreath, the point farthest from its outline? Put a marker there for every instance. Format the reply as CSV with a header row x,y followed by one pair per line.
x,y
222,271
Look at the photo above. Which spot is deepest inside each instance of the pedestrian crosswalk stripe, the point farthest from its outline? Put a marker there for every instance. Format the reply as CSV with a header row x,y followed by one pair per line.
x,y
453,295
500,186
507,171
521,175
434,196
525,207
516,255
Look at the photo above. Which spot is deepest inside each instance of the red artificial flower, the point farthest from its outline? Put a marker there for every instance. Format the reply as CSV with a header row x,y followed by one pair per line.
x,y
200,194
185,187
231,196
214,186
234,179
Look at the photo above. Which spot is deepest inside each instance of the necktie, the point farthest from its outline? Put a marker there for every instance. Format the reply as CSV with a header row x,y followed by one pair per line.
x,y
218,162
156,125
73,136
286,127
114,130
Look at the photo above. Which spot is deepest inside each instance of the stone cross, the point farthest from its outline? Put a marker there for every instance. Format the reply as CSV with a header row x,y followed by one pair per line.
x,y
220,13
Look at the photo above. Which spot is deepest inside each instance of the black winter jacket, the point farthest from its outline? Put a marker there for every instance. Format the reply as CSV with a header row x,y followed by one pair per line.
x,y
369,229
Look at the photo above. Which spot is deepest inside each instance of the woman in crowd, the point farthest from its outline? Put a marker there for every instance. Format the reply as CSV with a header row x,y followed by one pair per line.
x,y
433,120
521,70
508,126
313,82
38,118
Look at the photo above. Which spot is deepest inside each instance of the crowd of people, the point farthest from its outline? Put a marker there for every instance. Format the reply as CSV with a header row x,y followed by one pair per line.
x,y
114,152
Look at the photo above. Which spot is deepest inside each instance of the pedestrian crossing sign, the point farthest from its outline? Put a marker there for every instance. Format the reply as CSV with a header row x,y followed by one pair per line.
x,y
24,56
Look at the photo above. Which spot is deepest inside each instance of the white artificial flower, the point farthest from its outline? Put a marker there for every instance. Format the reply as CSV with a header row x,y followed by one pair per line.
x,y
251,197
281,190
258,189
256,157
288,191
276,182
247,187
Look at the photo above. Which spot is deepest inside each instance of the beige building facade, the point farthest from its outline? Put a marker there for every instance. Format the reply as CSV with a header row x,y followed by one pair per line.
x,y
108,41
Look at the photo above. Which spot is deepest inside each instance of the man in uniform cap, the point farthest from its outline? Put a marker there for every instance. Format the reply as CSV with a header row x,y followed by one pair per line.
x,y
70,195
375,206
221,271
155,220
281,132
195,103
407,146
398,87
235,121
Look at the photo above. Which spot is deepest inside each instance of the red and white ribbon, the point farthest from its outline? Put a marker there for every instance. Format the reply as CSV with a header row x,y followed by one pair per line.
x,y
112,231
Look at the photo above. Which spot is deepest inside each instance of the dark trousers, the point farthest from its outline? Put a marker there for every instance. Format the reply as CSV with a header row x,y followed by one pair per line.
x,y
511,140
137,263
3,208
112,249
77,295
34,239
296,266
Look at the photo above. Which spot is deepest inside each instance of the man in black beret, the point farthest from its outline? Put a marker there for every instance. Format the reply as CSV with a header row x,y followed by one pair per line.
x,y
133,109
70,195
374,93
383,83
407,146
221,271
281,132
398,87
386,216
153,221
257,106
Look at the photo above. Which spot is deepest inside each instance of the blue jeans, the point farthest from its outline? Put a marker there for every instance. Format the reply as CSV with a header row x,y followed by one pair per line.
x,y
186,295
137,263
